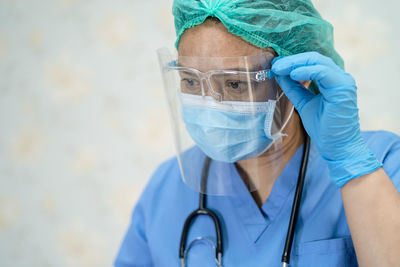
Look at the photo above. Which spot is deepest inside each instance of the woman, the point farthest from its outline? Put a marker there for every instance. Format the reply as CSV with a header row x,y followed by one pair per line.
x,y
350,206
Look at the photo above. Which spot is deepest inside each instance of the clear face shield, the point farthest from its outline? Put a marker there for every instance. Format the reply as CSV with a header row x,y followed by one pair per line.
x,y
229,111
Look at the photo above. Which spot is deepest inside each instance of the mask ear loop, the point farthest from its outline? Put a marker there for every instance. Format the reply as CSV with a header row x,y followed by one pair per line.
x,y
279,97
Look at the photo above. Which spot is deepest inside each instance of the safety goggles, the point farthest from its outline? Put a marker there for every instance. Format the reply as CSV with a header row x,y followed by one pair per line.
x,y
241,82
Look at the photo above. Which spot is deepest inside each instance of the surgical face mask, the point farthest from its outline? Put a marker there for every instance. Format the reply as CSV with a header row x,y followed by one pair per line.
x,y
229,131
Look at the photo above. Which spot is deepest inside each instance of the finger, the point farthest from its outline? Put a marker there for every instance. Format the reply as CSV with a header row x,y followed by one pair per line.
x,y
297,93
276,58
326,77
285,65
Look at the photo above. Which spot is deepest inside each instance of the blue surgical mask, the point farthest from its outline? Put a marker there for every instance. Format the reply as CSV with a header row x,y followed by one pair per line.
x,y
229,131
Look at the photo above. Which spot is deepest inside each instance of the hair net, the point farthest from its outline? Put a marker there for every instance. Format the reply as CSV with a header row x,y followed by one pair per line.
x,y
288,26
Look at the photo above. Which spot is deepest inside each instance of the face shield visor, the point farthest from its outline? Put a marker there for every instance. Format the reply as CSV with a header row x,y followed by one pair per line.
x,y
227,119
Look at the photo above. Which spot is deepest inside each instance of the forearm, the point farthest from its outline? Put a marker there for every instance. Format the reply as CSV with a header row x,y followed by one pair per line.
x,y
372,206
371,202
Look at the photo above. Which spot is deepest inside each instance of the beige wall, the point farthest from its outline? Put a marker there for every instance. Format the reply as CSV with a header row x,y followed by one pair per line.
x,y
83,120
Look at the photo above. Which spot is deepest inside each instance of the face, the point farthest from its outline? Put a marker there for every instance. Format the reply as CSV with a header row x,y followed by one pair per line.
x,y
212,39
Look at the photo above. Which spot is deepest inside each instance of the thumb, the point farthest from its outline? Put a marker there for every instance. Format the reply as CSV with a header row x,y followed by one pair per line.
x,y
297,93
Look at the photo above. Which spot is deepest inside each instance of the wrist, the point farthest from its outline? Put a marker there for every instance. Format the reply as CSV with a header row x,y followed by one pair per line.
x,y
342,171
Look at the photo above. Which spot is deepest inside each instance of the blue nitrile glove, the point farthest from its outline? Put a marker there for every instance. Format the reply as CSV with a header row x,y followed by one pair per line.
x,y
331,117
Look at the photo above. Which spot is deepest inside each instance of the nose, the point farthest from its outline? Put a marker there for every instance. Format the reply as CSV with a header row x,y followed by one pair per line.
x,y
207,90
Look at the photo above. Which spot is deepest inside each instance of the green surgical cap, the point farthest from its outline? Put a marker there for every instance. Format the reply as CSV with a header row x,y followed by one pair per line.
x,y
288,26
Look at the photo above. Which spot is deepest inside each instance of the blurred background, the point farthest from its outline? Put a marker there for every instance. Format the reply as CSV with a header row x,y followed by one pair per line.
x,y
83,120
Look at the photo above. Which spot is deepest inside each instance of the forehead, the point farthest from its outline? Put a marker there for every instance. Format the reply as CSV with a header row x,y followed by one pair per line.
x,y
211,46
212,39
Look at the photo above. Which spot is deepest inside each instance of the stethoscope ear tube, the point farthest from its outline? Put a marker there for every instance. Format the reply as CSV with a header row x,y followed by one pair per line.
x,y
296,204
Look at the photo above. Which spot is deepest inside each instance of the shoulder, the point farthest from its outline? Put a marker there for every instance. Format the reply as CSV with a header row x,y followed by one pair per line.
x,y
165,178
135,249
380,137
386,147
166,191
382,143
166,172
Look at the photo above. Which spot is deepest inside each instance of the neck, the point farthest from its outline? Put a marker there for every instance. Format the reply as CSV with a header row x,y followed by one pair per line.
x,y
262,171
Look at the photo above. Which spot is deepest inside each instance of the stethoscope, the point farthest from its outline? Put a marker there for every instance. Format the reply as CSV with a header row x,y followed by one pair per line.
x,y
202,210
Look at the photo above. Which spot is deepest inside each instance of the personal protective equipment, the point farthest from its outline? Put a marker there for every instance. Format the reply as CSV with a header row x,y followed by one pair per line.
x,y
231,131
230,109
330,118
288,26
252,235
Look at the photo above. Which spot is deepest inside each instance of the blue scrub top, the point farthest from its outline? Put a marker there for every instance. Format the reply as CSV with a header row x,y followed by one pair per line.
x,y
251,236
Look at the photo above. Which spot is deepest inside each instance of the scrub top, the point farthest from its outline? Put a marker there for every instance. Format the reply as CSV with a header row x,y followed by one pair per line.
x,y
252,236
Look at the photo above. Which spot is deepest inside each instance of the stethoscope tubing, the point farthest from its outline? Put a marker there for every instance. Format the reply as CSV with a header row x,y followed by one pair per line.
x,y
296,204
202,210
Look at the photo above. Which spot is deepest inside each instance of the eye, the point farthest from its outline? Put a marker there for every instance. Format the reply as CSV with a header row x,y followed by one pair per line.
x,y
235,86
190,85
189,81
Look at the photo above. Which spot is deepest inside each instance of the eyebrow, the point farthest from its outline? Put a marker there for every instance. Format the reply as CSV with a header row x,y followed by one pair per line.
x,y
188,73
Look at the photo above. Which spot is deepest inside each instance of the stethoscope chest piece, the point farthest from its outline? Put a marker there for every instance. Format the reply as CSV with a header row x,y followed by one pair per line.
x,y
207,242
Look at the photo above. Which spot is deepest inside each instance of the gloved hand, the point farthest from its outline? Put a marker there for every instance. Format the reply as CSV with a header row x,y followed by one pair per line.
x,y
331,117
